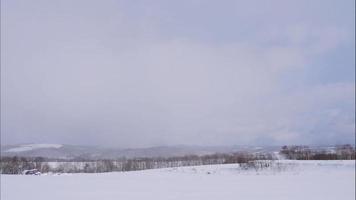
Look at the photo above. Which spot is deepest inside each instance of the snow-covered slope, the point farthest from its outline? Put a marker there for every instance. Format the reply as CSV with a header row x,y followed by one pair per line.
x,y
30,147
93,152
297,180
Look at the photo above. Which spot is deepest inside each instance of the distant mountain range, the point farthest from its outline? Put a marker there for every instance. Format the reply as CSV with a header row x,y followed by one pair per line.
x,y
60,151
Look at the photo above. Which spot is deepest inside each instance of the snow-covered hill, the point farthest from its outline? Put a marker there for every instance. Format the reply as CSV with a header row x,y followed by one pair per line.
x,y
31,147
60,151
93,152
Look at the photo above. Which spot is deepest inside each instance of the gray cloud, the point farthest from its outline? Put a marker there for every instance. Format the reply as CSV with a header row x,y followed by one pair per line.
x,y
141,74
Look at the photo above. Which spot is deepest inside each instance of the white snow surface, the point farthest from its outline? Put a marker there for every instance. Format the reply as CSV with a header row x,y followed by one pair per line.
x,y
29,147
302,180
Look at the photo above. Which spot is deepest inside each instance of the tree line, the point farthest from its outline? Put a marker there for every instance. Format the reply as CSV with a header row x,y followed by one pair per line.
x,y
340,152
16,165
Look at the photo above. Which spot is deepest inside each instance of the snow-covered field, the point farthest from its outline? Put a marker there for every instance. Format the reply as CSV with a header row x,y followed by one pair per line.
x,y
290,180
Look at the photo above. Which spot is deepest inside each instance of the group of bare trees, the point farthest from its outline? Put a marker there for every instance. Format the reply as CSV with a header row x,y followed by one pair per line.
x,y
15,165
341,152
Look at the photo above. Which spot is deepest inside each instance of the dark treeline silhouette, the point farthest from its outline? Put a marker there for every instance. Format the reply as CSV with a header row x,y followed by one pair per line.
x,y
16,165
341,152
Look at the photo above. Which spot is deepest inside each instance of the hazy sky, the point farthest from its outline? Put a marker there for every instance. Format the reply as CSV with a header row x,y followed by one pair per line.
x,y
197,72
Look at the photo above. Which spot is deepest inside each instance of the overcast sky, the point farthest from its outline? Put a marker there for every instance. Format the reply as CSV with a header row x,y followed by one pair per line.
x,y
195,72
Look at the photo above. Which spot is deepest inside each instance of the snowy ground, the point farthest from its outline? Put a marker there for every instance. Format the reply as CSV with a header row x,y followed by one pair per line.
x,y
287,180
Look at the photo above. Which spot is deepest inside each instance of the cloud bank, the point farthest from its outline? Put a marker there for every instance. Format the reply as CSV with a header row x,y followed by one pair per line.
x,y
133,74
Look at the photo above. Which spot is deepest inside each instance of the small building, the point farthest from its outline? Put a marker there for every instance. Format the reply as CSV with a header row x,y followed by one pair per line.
x,y
31,172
